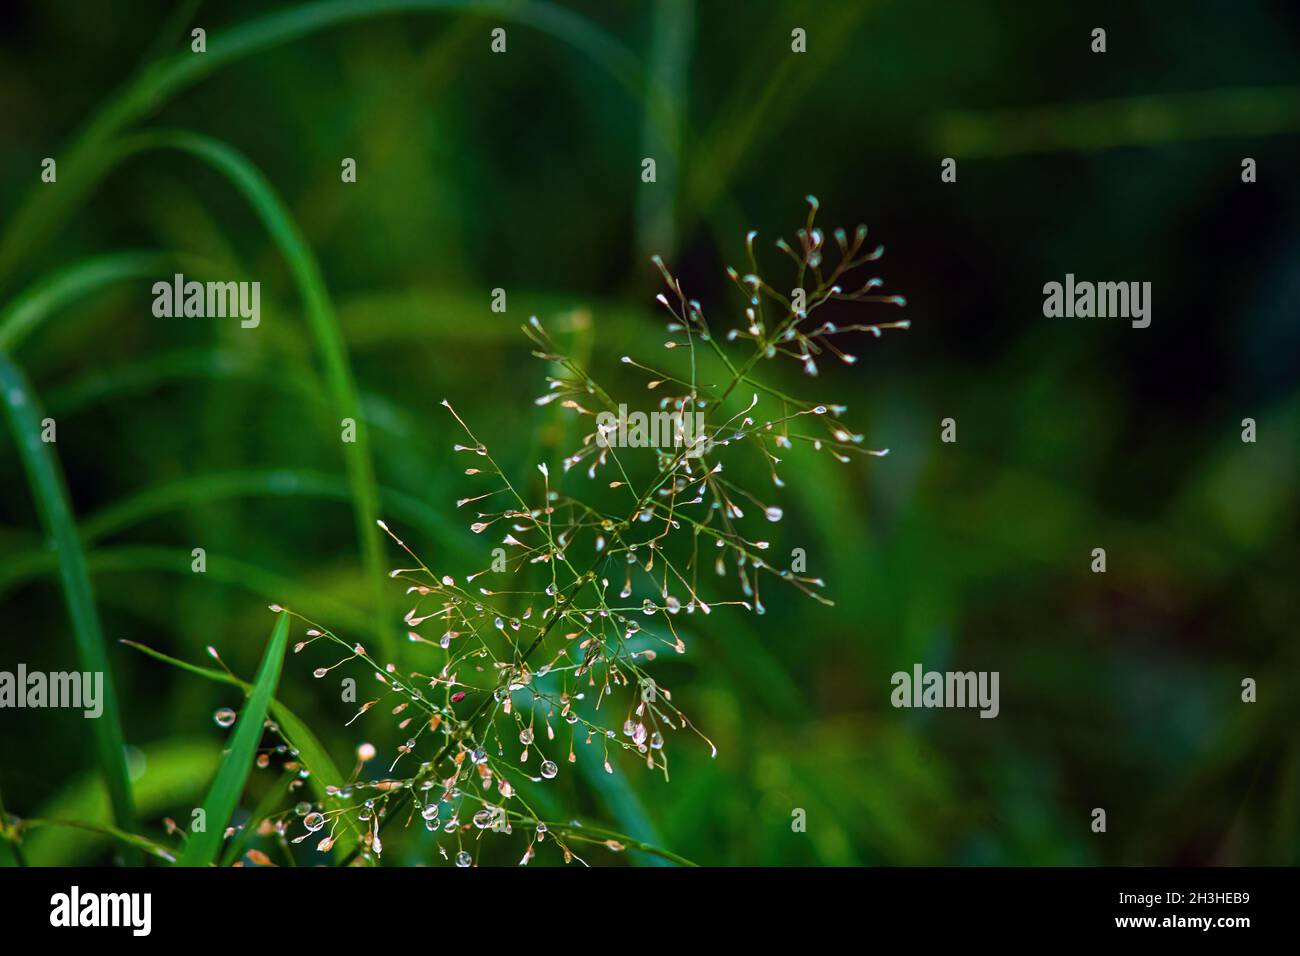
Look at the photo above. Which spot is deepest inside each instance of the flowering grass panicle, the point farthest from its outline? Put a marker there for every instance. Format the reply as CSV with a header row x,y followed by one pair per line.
x,y
603,563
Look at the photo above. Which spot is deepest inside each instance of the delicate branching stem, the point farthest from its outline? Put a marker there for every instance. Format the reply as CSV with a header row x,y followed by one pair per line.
x,y
604,646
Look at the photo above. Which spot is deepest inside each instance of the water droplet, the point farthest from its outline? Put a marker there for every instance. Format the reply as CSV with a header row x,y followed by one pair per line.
x,y
549,769
313,821
224,717
463,859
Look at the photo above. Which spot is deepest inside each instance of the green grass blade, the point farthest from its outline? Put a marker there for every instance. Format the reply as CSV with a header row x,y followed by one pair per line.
x,y
622,803
256,482
1093,125
672,35
141,377
284,232
86,160
146,559
175,772
103,829
26,311
311,753
50,491
203,847
759,110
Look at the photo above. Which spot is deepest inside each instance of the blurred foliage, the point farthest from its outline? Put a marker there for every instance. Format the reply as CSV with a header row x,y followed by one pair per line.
x,y
522,172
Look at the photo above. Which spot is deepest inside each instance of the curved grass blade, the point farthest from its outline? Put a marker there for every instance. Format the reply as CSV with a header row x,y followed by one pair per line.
x,y
284,232
621,803
276,482
26,311
50,491
86,160
174,777
175,772
103,829
1095,125
672,35
203,847
220,365
758,110
311,753
131,559
142,376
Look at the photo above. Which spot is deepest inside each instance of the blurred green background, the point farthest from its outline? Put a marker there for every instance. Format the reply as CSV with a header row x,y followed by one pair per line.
x,y
522,171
